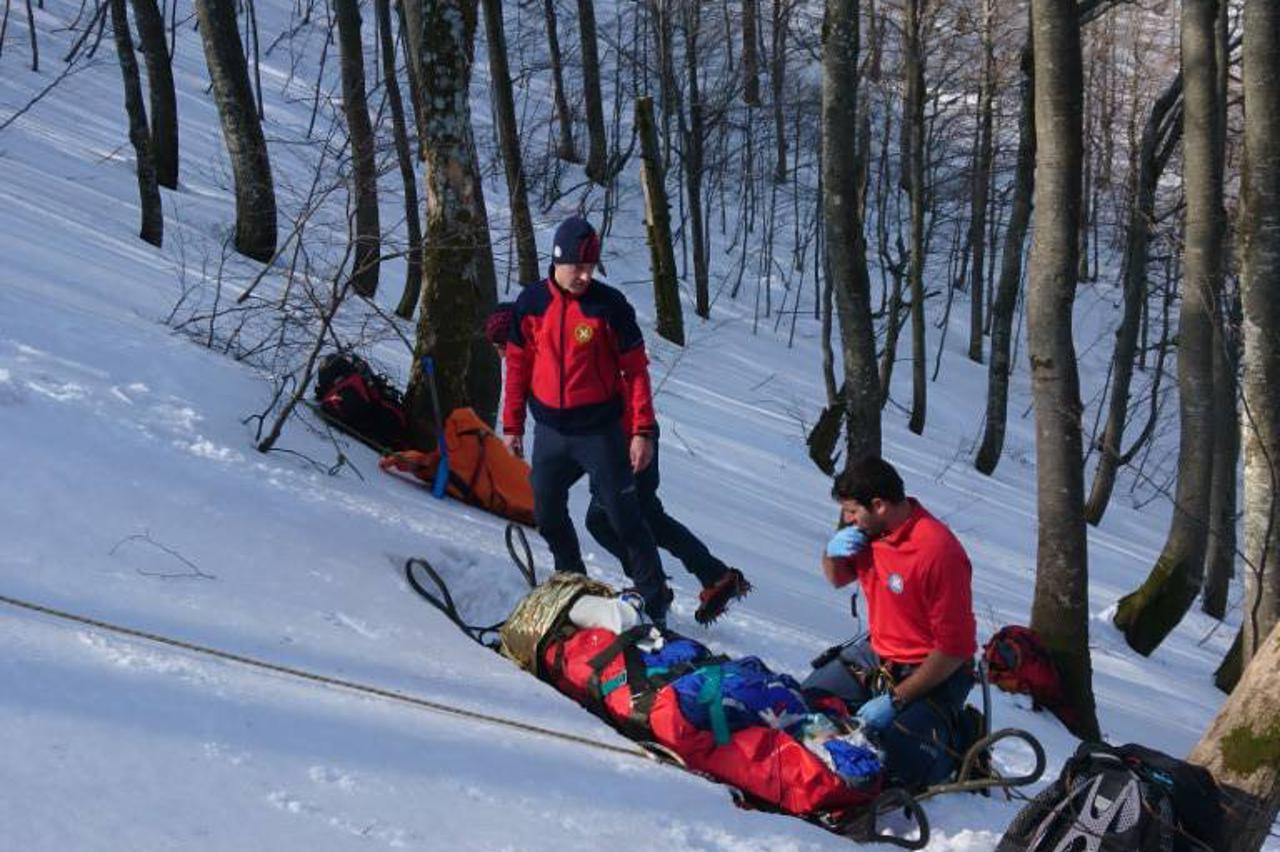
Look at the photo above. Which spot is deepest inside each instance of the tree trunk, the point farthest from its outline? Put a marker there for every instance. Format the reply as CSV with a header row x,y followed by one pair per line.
x,y
914,128
981,181
148,190
778,78
164,104
750,56
1162,129
452,271
1148,614
597,139
693,163
241,129
564,119
364,172
657,220
1242,745
404,156
504,108
1002,309
1220,553
1060,609
845,246
1261,303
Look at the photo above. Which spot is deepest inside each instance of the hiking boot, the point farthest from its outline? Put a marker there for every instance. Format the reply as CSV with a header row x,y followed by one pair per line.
x,y
715,598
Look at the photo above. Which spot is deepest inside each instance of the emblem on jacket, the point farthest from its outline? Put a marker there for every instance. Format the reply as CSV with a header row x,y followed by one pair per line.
x,y
583,333
896,583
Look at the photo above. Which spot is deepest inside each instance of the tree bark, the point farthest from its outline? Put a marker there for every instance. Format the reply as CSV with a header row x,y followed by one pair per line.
x,y
1002,309
914,128
565,149
597,139
1148,614
404,157
1220,553
693,163
778,78
364,172
148,190
504,109
1242,745
844,241
981,181
657,220
241,130
456,230
1162,129
1060,609
750,56
1261,303
164,104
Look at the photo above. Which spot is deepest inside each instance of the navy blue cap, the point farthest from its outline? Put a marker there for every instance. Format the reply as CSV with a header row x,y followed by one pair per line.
x,y
576,242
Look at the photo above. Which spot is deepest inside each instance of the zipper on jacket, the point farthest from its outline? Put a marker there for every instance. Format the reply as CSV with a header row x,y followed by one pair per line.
x,y
564,354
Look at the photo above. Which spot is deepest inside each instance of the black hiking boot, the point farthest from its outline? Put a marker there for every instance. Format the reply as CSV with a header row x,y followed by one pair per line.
x,y
715,598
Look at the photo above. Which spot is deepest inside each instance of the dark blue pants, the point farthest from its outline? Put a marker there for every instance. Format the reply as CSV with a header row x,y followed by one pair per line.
x,y
559,461
920,744
669,534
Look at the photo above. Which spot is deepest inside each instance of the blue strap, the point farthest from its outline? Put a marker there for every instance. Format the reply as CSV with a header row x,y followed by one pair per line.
x,y
712,697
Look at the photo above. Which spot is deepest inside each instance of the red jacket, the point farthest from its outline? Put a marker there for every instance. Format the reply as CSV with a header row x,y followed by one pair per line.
x,y
917,580
578,363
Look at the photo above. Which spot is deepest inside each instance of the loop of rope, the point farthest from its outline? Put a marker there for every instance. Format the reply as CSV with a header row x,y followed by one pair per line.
x,y
380,692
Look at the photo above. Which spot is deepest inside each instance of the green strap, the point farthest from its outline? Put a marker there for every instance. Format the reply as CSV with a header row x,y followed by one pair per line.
x,y
712,696
612,683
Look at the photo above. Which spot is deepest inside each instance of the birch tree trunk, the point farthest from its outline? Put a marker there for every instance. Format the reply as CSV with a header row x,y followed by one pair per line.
x,y
1150,613
844,241
1060,609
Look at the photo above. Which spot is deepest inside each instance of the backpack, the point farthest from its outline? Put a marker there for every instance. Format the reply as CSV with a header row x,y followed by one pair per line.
x,y
1017,661
482,471
1121,799
361,401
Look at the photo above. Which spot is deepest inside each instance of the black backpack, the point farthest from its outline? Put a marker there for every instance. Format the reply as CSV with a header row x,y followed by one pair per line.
x,y
1121,799
361,401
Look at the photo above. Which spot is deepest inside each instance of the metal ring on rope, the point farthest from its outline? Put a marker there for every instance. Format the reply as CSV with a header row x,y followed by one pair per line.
x,y
515,531
444,601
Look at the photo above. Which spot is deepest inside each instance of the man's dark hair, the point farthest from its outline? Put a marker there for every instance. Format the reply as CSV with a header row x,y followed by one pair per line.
x,y
868,479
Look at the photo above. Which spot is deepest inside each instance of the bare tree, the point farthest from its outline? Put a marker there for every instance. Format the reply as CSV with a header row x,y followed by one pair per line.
x,y
597,138
241,130
1261,303
565,149
750,56
1148,614
164,104
694,161
404,157
845,244
913,131
984,154
1059,611
148,190
657,219
364,171
504,110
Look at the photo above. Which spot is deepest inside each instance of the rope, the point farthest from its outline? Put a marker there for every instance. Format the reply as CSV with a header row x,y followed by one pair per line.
x,y
327,680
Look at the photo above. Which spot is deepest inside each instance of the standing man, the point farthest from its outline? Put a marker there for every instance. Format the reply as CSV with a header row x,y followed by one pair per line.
x,y
576,358
908,680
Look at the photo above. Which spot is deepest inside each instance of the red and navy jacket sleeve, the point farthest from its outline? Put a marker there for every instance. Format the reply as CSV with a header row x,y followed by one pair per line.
x,y
633,363
519,355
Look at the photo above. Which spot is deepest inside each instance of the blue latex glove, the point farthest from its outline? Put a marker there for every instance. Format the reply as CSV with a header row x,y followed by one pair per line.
x,y
878,713
846,543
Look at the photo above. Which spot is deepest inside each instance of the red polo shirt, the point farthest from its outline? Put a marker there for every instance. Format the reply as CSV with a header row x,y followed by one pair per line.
x,y
917,582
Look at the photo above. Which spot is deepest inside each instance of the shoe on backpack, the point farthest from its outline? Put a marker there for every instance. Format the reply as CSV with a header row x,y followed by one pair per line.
x,y
715,598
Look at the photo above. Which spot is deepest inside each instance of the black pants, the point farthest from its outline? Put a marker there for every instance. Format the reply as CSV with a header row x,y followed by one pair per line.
x,y
920,745
560,460
669,534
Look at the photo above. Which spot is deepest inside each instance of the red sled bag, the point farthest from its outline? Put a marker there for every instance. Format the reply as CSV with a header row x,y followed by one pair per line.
x,y
596,668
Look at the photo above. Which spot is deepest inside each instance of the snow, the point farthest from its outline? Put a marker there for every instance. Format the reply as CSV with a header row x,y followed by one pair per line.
x,y
132,494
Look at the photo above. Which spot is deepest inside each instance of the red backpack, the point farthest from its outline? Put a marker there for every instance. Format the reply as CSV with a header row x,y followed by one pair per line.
x,y
1017,661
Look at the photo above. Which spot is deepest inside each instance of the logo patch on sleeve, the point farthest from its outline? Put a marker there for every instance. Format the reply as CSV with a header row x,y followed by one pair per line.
x,y
583,333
